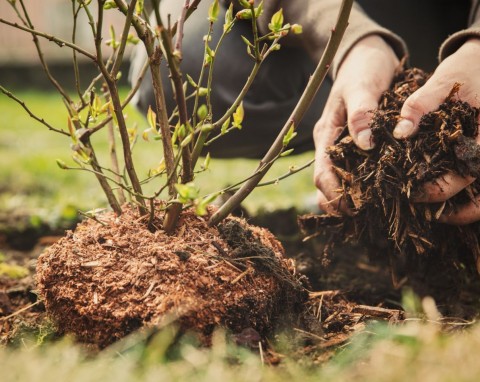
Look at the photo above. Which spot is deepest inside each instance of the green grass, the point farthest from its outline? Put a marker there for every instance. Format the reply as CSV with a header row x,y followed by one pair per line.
x,y
415,351
29,170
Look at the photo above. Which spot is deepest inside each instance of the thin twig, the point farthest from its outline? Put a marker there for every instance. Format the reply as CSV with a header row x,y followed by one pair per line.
x,y
41,120
180,23
49,37
173,60
76,71
20,311
46,69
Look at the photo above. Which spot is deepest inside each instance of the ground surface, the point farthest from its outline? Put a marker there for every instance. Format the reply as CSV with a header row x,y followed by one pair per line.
x,y
349,292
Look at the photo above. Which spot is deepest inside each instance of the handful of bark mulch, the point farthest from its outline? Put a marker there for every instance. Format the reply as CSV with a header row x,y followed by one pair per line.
x,y
378,184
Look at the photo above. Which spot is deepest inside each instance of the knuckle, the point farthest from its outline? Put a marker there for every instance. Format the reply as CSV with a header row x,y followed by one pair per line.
x,y
414,105
359,119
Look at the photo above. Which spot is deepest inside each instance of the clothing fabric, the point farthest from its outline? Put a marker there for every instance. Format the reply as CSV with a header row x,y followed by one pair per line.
x,y
423,26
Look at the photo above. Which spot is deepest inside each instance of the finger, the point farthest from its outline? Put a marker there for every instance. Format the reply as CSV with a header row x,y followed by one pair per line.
x,y
442,188
424,100
326,205
466,214
360,104
329,186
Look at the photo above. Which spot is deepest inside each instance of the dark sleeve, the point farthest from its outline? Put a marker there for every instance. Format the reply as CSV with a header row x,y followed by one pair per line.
x,y
457,39
318,17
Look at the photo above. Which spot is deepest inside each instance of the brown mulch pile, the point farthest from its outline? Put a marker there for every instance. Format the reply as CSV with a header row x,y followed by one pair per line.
x,y
108,278
324,322
377,185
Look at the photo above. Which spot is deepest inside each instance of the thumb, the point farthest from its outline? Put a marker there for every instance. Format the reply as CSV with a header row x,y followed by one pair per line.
x,y
421,102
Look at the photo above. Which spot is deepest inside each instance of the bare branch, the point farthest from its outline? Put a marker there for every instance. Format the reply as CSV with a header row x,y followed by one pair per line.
x,y
180,23
49,37
41,120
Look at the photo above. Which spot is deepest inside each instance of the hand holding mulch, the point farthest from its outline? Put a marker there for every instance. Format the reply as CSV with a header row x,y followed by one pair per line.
x,y
381,186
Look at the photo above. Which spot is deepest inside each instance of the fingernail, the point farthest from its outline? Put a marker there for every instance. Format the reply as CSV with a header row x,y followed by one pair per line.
x,y
403,129
364,139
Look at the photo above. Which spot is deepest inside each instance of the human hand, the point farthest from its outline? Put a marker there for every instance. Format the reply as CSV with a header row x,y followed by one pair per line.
x,y
462,67
365,73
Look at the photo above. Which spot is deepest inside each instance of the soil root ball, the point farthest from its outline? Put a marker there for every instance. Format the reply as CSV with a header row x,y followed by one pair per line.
x,y
112,276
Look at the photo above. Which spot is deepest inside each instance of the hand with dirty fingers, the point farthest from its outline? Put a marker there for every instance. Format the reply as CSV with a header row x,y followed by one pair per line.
x,y
461,67
364,74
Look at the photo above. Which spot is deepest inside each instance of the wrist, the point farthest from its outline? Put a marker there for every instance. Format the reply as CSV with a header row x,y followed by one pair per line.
x,y
371,48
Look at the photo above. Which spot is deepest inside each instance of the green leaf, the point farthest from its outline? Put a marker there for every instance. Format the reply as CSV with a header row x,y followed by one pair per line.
x,y
225,125
206,162
61,164
244,14
246,41
210,52
238,116
296,29
208,59
109,4
201,207
213,11
186,192
202,112
152,118
275,46
132,39
139,7
202,92
244,3
71,130
192,82
286,153
145,134
259,10
276,21
112,113
187,140
227,26
206,128
291,133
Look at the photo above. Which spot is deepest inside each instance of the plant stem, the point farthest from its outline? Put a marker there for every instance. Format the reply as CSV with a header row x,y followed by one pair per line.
x,y
114,159
176,76
309,93
76,72
117,107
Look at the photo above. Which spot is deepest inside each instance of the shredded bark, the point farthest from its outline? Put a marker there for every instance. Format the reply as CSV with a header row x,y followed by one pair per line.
x,y
103,281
